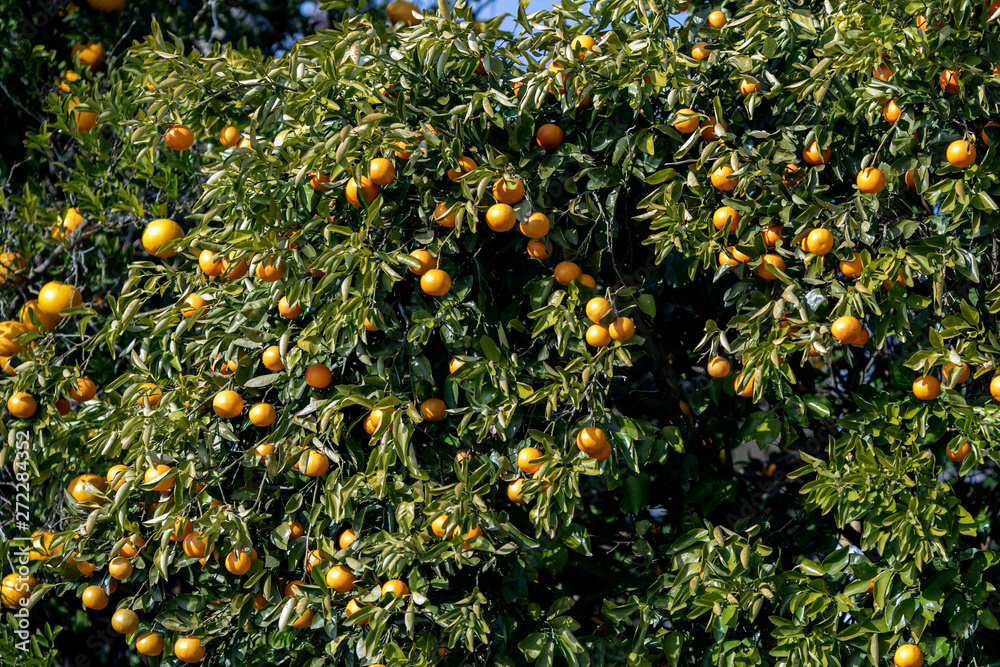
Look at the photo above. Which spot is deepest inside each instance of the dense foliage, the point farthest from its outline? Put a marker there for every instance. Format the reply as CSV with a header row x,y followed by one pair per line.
x,y
325,302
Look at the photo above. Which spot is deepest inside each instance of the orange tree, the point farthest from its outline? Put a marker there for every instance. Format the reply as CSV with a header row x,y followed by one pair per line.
x,y
435,343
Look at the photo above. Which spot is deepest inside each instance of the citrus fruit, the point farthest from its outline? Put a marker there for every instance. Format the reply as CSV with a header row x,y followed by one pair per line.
x,y
271,358
156,471
55,297
744,389
852,268
748,88
960,376
178,137
686,121
426,259
189,649
891,111
368,191
508,190
722,178
229,136
22,405
287,310
622,329
381,171
726,215
95,598
526,457
908,655
598,336
718,367
717,19
871,180
535,226
318,376
961,153
125,621
395,587
500,217
227,404
445,215
960,454
926,387
812,155
464,165
78,488
435,282
766,262
549,136
433,409
819,241
316,463
566,272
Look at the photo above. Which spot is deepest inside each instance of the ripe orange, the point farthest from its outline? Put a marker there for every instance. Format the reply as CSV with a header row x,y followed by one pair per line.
x,y
812,155
316,463
189,649
590,440
402,153
262,414
368,191
700,51
340,579
401,11
845,329
539,249
433,409
346,538
288,311
819,241
514,491
439,525
566,272
718,367
83,391
22,405
717,19
85,120
882,71
789,177
181,529
500,217
178,137
508,194
748,88
271,358
960,454
238,563
983,134
91,55
871,180
622,329
227,404
597,309
125,621
12,263
427,261
396,587
535,226
995,388
149,643
381,171
910,180
263,449
55,297
773,234
743,389
584,44
445,215
926,387
208,265
319,182
229,136
961,153
708,128
852,268
948,80
295,531
465,164
303,621
598,336
722,178
454,365
234,271
768,261
891,111
16,589
318,376
156,471
435,282
686,121
724,215
114,473
120,568
194,546
908,655
77,488
352,608
732,257
194,303
549,136
526,459
269,270
959,376
95,598
132,547
8,332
